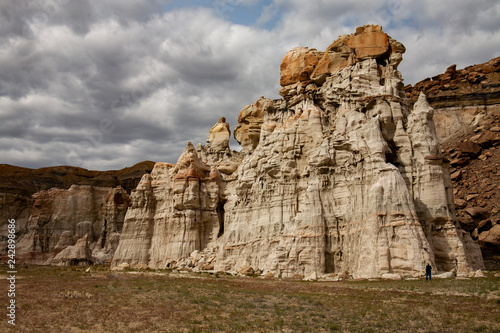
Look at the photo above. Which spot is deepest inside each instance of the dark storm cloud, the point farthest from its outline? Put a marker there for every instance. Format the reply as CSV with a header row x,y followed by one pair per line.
x,y
105,84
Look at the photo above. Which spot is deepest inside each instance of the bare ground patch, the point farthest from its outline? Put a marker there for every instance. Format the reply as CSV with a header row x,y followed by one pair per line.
x,y
53,299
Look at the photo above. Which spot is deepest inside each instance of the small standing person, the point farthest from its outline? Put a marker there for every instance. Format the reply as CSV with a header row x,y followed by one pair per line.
x,y
428,269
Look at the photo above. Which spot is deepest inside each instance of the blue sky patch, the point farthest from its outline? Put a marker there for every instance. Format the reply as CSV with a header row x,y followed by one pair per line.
x,y
262,13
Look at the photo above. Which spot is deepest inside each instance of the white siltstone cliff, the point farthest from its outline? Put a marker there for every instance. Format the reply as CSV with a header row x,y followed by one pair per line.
x,y
61,217
341,174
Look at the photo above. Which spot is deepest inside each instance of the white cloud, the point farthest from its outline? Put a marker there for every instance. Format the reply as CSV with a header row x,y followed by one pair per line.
x,y
112,83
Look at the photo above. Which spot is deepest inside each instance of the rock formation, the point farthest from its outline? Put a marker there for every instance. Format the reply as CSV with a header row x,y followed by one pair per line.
x,y
250,120
75,255
298,64
55,212
341,174
475,173
28,181
219,135
461,98
29,192
175,211
60,217
110,220
466,106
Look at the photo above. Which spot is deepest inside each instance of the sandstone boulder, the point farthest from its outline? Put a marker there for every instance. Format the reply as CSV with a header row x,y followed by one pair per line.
x,y
247,270
250,120
208,267
477,212
391,276
445,275
369,42
219,135
484,225
298,64
490,239
469,148
460,203
311,277
477,274
121,267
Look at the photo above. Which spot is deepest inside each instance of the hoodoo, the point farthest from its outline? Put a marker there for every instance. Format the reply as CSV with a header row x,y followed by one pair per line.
x,y
340,174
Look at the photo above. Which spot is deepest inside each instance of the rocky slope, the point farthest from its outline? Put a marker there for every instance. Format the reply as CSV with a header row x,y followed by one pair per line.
x,y
461,98
475,167
467,117
340,175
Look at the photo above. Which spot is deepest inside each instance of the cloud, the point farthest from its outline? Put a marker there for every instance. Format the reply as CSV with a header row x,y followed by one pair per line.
x,y
436,34
106,84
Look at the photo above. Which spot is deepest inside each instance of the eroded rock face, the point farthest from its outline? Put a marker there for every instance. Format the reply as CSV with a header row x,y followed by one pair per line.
x,y
60,217
14,206
250,120
17,185
341,175
369,42
462,98
466,105
74,255
176,210
298,64
219,135
475,158
111,219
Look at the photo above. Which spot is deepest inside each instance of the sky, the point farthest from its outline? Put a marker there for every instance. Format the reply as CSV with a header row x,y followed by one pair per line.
x,y
106,84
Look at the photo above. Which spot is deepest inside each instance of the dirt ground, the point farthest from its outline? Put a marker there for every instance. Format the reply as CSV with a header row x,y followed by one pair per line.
x,y
50,299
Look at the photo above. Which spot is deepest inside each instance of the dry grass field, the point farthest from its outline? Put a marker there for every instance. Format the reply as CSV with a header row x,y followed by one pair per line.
x,y
53,299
